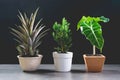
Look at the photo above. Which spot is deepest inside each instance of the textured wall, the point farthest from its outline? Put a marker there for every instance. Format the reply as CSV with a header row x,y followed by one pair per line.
x,y
55,10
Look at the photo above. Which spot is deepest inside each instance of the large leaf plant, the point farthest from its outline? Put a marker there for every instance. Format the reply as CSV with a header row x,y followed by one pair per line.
x,y
92,30
62,35
28,34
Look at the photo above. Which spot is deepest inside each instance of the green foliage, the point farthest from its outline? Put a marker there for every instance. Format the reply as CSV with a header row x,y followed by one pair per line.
x,y
62,35
28,34
92,30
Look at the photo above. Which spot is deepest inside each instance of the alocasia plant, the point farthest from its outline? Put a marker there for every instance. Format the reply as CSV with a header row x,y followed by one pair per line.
x,y
92,30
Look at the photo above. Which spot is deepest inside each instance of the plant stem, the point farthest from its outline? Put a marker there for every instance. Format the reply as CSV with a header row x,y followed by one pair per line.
x,y
94,50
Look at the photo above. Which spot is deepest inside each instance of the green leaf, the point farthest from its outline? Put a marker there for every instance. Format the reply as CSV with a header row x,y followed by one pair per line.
x,y
20,49
21,17
26,18
37,44
32,20
41,35
28,35
62,35
37,25
19,35
92,30
37,32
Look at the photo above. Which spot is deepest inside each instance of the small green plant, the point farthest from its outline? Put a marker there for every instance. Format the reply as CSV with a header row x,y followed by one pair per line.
x,y
62,35
28,34
92,30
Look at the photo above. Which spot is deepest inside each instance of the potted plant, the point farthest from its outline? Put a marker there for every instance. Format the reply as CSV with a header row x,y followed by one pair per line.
x,y
28,36
92,30
62,56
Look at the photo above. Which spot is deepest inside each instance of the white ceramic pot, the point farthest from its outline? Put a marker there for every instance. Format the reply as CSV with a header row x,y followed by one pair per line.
x,y
29,63
63,61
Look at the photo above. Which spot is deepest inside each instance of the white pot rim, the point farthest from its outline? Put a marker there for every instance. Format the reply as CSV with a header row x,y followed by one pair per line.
x,y
62,55
39,55
69,52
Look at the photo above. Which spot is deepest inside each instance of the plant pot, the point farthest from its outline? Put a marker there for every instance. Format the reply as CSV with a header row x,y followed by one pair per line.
x,y
94,63
29,63
63,61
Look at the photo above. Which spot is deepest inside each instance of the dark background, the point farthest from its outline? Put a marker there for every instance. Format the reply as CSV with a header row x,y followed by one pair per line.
x,y
55,10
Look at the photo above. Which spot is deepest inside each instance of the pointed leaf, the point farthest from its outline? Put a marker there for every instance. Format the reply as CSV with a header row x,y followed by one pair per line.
x,y
92,30
23,38
33,20
37,25
37,44
37,32
20,16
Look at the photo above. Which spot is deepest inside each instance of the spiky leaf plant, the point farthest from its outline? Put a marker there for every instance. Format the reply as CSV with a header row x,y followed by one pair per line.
x,y
62,35
28,34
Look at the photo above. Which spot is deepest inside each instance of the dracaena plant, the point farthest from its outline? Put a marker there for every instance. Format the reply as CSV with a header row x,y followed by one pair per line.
x,y
92,30
62,35
28,34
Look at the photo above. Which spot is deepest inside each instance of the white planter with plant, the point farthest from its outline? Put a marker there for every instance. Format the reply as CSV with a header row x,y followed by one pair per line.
x,y
62,57
28,36
92,30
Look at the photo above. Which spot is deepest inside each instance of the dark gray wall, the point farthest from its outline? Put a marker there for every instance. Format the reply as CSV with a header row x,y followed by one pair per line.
x,y
55,10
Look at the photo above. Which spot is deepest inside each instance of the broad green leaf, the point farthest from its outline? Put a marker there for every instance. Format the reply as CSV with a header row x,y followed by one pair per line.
x,y
92,30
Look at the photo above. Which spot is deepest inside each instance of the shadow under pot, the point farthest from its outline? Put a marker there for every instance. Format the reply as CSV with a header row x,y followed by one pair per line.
x,y
94,63
29,63
63,61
